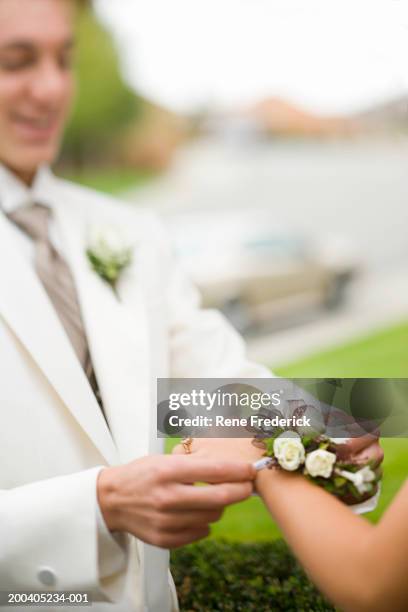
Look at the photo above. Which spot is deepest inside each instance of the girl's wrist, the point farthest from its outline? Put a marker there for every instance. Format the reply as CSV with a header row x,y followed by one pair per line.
x,y
266,478
273,478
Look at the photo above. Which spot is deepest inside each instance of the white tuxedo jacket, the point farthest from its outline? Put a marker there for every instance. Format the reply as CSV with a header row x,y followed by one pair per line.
x,y
53,437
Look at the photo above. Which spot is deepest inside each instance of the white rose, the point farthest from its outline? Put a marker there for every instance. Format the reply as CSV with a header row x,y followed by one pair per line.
x,y
289,451
282,438
106,241
320,463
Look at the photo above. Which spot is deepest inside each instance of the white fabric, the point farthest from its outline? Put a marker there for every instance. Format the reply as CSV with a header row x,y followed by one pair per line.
x,y
53,437
14,194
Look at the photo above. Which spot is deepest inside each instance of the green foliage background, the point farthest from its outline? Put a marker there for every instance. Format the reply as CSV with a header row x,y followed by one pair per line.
x,y
105,104
239,577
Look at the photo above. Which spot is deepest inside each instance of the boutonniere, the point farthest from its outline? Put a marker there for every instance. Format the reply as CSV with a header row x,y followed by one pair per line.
x,y
109,253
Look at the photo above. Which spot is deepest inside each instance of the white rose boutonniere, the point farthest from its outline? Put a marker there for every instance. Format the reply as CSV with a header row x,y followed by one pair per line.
x,y
109,253
320,463
289,451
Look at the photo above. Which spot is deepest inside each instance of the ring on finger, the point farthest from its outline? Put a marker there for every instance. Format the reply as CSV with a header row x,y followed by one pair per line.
x,y
187,442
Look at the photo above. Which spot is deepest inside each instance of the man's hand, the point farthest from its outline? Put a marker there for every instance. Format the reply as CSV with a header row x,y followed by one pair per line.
x,y
155,499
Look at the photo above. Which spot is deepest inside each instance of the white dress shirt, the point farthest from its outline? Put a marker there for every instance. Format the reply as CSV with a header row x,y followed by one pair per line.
x,y
14,194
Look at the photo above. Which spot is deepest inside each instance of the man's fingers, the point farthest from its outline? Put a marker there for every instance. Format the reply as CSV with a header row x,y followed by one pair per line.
x,y
196,469
181,521
178,450
182,538
212,497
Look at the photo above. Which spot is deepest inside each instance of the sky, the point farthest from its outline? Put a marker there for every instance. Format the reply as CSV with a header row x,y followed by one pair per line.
x,y
330,56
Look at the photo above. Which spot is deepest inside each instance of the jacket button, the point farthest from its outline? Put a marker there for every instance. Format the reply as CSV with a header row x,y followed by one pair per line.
x,y
47,577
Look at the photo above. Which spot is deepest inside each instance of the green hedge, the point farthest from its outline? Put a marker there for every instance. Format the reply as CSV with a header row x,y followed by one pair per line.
x,y
219,575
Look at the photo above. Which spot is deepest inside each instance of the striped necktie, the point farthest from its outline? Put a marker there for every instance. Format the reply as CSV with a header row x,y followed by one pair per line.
x,y
56,277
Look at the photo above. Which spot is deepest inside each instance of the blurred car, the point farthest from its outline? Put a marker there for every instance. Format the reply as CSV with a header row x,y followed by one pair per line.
x,y
256,272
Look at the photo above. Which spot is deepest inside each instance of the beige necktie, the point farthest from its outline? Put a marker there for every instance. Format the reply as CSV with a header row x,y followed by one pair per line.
x,y
56,277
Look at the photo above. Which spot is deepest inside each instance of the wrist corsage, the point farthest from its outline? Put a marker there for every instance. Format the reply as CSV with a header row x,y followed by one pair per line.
x,y
319,459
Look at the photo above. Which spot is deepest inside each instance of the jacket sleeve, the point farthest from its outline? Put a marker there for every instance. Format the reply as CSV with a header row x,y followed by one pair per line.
x,y
49,538
202,341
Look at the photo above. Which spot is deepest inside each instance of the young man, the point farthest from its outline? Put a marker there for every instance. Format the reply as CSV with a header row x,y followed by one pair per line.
x,y
87,503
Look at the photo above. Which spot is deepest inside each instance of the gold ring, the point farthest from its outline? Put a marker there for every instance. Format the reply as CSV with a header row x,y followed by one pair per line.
x,y
187,442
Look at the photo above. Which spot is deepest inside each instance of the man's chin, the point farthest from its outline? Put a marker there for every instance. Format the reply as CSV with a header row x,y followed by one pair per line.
x,y
26,163
41,155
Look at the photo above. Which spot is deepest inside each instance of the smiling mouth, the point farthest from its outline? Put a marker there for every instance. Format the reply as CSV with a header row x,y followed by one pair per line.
x,y
37,127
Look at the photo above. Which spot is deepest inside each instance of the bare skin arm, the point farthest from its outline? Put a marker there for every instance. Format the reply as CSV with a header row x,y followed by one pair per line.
x,y
359,566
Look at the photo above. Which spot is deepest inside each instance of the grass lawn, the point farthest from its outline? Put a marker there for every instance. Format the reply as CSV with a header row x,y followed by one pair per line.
x,y
384,354
112,181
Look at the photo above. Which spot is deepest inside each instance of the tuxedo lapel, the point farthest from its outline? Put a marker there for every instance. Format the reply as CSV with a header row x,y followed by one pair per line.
x,y
27,309
118,337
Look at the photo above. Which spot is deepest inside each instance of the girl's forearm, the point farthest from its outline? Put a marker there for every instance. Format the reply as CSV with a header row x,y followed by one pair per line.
x,y
330,541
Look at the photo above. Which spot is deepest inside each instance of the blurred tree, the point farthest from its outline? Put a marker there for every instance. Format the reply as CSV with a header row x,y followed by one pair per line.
x,y
104,104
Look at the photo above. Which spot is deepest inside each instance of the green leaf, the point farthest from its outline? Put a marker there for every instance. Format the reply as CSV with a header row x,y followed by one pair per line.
x,y
269,447
307,441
